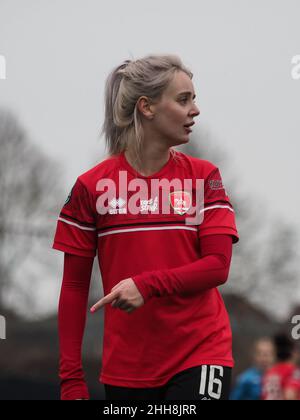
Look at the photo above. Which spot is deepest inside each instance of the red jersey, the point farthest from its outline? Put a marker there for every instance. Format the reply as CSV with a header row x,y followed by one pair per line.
x,y
173,331
294,383
279,379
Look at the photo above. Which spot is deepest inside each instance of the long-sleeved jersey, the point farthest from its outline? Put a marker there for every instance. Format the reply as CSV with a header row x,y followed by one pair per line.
x,y
145,236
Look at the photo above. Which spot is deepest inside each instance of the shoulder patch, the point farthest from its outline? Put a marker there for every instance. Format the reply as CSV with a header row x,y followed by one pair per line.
x,y
215,184
69,196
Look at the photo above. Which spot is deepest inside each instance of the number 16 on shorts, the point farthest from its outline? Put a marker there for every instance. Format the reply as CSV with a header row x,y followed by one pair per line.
x,y
214,382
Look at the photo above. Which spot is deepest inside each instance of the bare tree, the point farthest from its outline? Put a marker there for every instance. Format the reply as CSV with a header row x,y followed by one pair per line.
x,y
29,197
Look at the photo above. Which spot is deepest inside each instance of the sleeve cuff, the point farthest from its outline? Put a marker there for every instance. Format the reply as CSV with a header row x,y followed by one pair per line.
x,y
220,231
71,250
140,281
72,390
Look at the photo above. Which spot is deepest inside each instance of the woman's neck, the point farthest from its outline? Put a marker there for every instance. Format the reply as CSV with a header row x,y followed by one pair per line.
x,y
151,161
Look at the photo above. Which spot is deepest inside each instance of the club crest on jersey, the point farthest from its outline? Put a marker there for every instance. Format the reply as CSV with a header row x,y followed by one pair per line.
x,y
181,201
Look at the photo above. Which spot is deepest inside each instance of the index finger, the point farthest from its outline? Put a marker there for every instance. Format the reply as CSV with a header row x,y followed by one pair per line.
x,y
106,299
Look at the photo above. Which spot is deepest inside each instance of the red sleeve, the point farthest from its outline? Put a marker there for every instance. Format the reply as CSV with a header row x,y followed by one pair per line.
x,y
219,214
209,271
72,312
76,231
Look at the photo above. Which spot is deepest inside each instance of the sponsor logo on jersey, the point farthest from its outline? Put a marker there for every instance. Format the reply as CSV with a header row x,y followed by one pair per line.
x,y
181,201
149,205
117,206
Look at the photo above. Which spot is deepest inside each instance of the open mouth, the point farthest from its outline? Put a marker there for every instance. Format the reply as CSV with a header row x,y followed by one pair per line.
x,y
188,126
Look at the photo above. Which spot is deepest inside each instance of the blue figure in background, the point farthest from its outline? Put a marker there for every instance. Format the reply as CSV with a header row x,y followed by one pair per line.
x,y
249,383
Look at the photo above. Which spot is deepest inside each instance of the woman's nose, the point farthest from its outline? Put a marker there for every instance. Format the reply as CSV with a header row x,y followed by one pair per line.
x,y
195,111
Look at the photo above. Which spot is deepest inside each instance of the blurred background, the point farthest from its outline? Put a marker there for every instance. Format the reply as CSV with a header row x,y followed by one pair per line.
x,y
54,59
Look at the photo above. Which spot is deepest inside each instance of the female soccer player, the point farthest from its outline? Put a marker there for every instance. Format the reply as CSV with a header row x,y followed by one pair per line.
x,y
166,331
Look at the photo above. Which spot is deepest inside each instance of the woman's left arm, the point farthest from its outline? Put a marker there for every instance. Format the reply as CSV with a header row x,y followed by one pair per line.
x,y
208,272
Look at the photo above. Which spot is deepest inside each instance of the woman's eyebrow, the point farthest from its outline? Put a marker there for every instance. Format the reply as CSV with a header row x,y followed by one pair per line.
x,y
187,93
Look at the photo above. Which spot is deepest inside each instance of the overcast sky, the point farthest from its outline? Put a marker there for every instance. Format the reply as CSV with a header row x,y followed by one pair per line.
x,y
58,54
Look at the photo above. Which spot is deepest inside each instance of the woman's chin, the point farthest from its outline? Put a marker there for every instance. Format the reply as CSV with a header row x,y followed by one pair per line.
x,y
178,141
185,139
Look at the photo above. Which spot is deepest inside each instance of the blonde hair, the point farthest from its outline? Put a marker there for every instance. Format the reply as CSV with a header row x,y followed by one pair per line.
x,y
148,76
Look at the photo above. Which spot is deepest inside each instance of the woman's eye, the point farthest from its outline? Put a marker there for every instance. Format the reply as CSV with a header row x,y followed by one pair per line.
x,y
186,99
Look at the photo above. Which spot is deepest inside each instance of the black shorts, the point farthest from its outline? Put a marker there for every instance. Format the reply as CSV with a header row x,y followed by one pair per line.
x,y
205,382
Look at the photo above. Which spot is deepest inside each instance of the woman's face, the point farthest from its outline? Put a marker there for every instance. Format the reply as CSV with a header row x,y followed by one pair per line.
x,y
175,109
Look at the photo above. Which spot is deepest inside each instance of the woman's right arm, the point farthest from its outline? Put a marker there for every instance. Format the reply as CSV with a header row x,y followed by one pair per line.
x,y
72,311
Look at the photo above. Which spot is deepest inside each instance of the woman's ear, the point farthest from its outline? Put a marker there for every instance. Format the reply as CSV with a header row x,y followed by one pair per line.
x,y
145,106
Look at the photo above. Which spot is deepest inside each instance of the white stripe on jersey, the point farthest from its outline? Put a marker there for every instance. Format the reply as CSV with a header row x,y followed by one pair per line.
x,y
150,228
217,207
143,229
75,224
